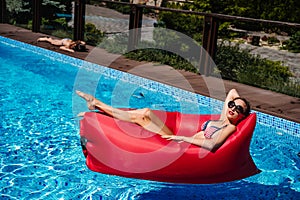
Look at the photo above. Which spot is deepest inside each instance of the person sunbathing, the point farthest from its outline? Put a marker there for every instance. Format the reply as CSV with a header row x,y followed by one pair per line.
x,y
65,44
212,135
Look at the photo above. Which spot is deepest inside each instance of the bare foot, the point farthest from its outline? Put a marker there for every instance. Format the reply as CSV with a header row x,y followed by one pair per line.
x,y
89,99
81,114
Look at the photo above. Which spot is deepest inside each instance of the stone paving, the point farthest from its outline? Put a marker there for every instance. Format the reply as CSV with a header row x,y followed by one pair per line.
x,y
110,21
292,60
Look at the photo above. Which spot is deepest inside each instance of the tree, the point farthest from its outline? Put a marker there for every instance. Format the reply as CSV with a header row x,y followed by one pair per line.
x,y
20,11
50,8
280,10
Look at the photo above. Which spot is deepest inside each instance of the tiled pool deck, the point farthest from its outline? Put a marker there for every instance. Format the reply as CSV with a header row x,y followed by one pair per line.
x,y
261,100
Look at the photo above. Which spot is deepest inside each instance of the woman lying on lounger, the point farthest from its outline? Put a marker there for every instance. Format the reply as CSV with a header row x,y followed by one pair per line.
x,y
65,44
213,132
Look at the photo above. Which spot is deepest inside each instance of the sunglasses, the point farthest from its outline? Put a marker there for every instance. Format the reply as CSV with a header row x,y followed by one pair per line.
x,y
238,108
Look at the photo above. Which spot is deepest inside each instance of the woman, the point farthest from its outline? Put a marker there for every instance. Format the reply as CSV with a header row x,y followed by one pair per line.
x,y
65,44
212,135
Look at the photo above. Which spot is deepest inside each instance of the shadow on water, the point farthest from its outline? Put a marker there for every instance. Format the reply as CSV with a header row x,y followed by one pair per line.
x,y
234,190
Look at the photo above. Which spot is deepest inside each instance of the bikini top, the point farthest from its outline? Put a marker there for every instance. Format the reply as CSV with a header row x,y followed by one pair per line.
x,y
210,130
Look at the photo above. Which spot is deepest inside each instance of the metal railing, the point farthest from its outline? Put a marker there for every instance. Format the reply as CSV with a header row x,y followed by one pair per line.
x,y
210,29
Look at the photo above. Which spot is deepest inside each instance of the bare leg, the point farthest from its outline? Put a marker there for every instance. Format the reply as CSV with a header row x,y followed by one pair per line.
x,y
44,39
50,40
156,124
143,117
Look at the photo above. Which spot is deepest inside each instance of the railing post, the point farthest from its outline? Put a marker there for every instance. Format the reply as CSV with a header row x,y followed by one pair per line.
x,y
135,24
79,19
3,11
209,41
36,21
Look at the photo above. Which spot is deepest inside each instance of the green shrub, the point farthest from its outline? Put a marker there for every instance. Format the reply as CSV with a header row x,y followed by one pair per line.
x,y
273,40
229,59
190,25
61,21
93,36
241,66
162,57
116,44
225,32
293,44
264,73
62,34
125,9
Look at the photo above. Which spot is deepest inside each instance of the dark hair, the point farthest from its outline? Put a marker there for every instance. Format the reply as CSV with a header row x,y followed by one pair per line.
x,y
79,46
248,107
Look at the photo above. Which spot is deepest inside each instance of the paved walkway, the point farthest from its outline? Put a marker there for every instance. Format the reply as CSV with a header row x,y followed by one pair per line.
x,y
261,100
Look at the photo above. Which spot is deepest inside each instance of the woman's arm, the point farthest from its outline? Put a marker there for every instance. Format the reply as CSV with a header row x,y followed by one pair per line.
x,y
66,49
230,96
210,144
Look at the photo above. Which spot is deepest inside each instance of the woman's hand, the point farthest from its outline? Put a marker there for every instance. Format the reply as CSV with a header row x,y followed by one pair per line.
x,y
173,137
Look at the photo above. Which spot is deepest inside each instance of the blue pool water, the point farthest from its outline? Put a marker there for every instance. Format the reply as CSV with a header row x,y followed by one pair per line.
x,y
41,157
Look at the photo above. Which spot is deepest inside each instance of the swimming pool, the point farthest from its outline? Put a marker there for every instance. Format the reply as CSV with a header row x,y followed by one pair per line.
x,y
41,157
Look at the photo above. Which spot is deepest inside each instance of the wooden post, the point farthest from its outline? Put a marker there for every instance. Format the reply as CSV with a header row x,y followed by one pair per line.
x,y
135,24
36,21
209,41
79,19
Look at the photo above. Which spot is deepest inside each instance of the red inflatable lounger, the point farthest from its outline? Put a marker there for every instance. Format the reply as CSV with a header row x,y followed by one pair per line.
x,y
125,149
